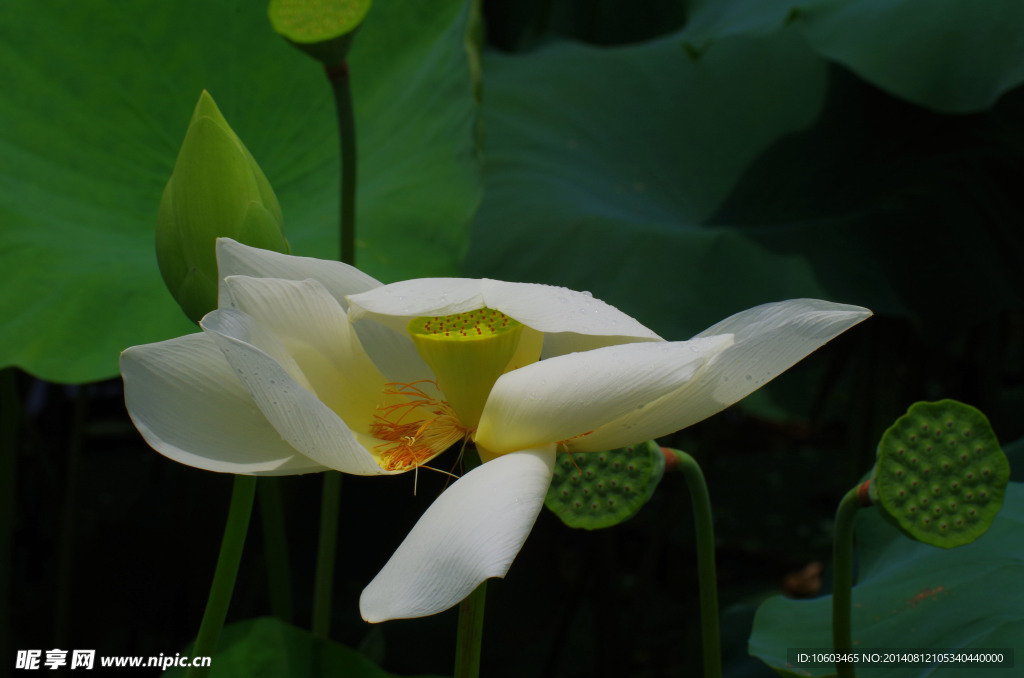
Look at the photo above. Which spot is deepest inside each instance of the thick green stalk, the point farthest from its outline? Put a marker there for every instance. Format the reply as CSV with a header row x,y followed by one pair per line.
x,y
323,584
275,546
842,579
242,495
341,86
10,418
471,632
69,516
331,496
707,579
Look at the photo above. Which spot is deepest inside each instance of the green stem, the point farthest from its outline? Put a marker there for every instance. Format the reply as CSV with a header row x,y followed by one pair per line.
x,y
705,530
331,496
341,86
10,418
323,585
242,495
275,546
471,632
842,579
69,515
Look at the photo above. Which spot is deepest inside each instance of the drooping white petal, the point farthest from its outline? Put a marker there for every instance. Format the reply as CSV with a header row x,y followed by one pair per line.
x,y
472,532
298,415
315,333
576,394
234,258
188,404
768,340
557,309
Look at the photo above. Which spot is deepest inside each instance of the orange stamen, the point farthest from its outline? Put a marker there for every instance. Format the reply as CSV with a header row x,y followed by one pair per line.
x,y
411,443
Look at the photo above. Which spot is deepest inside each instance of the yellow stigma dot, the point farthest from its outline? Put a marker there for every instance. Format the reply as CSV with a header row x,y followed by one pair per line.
x,y
467,352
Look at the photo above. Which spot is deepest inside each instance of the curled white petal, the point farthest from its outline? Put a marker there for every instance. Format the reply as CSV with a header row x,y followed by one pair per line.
x,y
234,258
470,533
585,321
395,304
188,404
298,415
559,310
314,333
577,394
768,340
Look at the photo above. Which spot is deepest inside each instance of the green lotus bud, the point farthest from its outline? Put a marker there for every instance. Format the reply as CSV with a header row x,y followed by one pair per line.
x,y
216,190
321,28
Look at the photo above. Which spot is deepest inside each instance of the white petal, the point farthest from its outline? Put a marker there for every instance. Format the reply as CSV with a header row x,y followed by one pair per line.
x,y
473,531
315,334
769,339
186,401
234,258
581,321
299,416
576,394
395,304
557,309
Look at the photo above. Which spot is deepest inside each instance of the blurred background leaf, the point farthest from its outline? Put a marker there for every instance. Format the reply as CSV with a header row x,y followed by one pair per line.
x,y
946,55
97,97
912,595
269,647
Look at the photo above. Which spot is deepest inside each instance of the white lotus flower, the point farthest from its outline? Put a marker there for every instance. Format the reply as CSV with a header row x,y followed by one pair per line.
x,y
310,364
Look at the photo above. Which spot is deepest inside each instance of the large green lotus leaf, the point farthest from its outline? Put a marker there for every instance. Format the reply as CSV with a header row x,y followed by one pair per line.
x,y
683,191
602,163
911,595
97,96
948,55
270,647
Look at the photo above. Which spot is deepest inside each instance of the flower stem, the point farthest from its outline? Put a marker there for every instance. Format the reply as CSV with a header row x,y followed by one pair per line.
x,y
842,579
323,585
275,546
341,86
705,530
331,496
242,495
69,515
471,632
10,419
